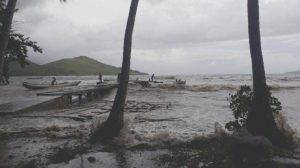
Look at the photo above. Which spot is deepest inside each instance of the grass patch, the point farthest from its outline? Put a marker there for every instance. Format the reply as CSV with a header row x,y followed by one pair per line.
x,y
213,151
216,151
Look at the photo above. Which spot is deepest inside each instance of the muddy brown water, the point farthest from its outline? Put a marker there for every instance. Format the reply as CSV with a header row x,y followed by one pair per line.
x,y
162,114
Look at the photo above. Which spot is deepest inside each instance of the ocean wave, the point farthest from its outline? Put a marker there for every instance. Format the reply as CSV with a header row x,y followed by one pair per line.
x,y
199,88
209,87
286,79
286,87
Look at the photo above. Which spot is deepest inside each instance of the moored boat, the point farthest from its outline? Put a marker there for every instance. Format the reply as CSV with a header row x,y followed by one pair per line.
x,y
34,86
180,82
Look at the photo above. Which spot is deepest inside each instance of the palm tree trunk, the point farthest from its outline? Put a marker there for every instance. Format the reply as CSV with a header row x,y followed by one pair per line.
x,y
260,119
4,36
114,122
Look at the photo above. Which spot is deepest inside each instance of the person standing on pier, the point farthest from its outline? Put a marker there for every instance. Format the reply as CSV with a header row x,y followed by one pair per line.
x,y
100,79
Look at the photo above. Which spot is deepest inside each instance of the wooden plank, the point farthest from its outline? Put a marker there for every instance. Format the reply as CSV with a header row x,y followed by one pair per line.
x,y
32,104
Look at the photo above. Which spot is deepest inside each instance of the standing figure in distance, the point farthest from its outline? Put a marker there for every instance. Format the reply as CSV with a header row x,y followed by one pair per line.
x,y
100,78
152,78
53,82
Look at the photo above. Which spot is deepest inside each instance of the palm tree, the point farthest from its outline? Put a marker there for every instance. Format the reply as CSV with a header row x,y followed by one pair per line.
x,y
260,119
4,34
114,123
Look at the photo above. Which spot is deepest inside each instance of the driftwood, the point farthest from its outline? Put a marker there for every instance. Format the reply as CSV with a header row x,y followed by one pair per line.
x,y
47,116
157,119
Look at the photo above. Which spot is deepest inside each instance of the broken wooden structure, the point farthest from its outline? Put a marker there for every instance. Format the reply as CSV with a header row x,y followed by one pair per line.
x,y
87,92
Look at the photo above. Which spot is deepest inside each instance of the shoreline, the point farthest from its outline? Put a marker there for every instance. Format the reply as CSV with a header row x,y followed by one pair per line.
x,y
159,119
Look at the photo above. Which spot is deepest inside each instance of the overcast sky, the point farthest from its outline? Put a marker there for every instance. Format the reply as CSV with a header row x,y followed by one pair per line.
x,y
170,36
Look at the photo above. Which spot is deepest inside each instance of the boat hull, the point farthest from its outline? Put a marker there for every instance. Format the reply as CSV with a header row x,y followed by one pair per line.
x,y
32,86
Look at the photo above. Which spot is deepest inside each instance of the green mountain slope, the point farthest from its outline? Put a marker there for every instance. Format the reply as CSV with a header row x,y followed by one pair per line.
x,y
81,65
32,68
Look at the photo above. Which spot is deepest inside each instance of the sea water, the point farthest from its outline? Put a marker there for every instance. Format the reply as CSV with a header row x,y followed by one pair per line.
x,y
192,109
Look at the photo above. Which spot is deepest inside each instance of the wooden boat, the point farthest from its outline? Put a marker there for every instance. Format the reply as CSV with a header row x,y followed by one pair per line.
x,y
79,91
143,83
157,81
148,83
34,86
180,82
86,93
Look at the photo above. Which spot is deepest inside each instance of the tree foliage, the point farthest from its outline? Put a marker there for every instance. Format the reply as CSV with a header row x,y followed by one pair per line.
x,y
241,103
18,46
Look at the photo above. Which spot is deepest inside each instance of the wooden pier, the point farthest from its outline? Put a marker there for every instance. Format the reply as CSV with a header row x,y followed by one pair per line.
x,y
32,104
88,92
55,99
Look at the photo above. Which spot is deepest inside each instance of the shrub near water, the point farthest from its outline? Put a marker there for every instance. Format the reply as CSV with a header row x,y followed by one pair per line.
x,y
241,103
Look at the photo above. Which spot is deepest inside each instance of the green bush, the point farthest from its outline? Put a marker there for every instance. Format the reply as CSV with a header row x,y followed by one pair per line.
x,y
241,104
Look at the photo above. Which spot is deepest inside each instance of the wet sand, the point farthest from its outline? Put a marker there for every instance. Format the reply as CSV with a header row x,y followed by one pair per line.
x,y
35,138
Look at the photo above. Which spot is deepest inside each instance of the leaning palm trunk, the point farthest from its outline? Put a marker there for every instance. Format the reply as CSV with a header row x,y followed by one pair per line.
x,y
114,123
260,119
4,34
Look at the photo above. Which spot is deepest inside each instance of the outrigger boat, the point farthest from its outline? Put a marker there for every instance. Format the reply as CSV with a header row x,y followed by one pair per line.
x,y
34,86
148,83
87,92
180,82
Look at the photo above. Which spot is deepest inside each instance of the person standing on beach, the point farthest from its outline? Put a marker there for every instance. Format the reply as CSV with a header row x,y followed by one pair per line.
x,y
100,78
53,82
152,78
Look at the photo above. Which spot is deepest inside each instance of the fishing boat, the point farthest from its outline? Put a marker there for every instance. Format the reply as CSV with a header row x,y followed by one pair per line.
x,y
34,86
180,82
83,93
157,81
143,83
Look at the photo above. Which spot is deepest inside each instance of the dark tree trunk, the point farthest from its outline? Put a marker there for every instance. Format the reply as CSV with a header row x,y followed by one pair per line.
x,y
114,123
4,34
260,119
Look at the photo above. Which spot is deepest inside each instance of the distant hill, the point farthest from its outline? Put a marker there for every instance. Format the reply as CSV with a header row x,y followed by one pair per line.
x,y
81,65
293,72
31,69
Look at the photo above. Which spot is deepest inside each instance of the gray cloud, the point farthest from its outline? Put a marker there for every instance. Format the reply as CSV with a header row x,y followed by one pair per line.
x,y
170,37
29,3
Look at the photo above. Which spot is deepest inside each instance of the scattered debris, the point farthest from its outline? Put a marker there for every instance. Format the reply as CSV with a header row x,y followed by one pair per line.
x,y
91,159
